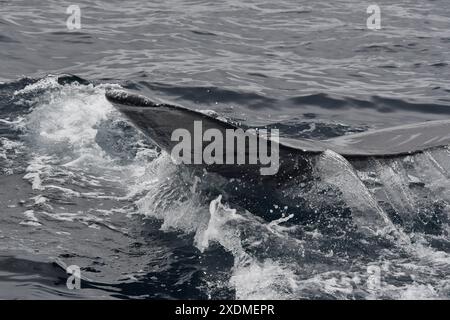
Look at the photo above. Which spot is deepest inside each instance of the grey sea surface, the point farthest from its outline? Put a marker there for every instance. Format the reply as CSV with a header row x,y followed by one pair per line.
x,y
80,185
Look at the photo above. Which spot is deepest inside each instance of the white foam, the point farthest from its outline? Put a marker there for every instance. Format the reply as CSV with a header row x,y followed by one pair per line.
x,y
263,281
251,278
70,116
31,219
51,81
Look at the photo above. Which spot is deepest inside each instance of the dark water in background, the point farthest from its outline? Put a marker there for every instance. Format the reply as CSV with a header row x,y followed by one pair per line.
x,y
79,185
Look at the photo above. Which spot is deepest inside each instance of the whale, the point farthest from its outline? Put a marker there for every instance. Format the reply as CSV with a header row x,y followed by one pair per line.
x,y
159,120
298,158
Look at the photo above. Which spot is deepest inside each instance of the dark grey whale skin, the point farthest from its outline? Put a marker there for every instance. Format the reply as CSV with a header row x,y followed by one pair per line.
x,y
158,121
297,158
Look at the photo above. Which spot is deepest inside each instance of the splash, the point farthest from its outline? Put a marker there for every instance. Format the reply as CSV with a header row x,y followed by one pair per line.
x,y
85,163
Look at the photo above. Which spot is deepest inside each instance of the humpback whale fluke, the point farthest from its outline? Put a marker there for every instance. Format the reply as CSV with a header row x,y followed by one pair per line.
x,y
299,159
159,120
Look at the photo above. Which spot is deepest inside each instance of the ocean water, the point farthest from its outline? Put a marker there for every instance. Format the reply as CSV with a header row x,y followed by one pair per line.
x,y
79,185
